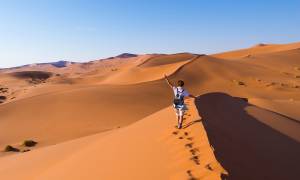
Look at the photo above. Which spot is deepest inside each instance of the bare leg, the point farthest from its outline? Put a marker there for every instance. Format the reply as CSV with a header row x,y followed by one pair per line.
x,y
180,120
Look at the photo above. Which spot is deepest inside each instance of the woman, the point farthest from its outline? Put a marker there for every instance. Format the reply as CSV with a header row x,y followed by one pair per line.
x,y
180,93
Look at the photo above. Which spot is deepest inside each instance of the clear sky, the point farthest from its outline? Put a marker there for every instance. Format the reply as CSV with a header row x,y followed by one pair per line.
x,y
80,30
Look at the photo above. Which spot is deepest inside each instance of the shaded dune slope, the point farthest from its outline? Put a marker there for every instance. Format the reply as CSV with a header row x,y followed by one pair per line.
x,y
246,147
32,74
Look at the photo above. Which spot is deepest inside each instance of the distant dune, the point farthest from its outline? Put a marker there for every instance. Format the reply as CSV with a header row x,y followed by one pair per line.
x,y
257,50
111,118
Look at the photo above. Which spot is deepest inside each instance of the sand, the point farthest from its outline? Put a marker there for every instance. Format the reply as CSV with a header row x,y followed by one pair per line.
x,y
112,118
152,143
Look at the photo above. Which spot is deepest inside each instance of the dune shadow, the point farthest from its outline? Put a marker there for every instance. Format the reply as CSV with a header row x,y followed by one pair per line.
x,y
190,123
33,75
245,147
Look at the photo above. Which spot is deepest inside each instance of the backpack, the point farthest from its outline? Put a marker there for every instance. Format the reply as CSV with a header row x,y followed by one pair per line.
x,y
179,98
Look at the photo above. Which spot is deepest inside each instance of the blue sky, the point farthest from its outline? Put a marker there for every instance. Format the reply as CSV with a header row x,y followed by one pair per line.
x,y
80,30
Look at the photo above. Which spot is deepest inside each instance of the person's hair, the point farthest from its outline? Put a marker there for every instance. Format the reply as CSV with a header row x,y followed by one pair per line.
x,y
180,83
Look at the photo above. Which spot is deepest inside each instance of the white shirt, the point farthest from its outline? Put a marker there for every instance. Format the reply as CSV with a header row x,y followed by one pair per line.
x,y
180,90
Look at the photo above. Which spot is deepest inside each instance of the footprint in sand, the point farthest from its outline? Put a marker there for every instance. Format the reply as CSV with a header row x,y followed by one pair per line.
x,y
209,167
180,137
195,159
186,133
190,138
191,176
175,132
189,145
194,151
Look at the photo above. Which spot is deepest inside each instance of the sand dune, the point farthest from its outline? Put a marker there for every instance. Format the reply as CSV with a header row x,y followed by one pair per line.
x,y
287,61
162,152
77,111
247,148
210,74
257,50
69,107
112,115
167,59
283,107
151,69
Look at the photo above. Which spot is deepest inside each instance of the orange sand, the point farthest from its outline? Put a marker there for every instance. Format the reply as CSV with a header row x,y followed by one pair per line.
x,y
111,118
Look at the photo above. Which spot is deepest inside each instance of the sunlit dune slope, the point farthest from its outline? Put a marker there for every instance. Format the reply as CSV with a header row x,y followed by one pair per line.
x,y
75,112
152,144
167,59
285,61
256,50
151,69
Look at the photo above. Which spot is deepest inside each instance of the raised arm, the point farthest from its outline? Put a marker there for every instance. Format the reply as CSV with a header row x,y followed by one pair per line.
x,y
168,81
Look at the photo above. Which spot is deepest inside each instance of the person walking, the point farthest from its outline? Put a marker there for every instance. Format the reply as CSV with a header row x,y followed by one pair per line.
x,y
178,103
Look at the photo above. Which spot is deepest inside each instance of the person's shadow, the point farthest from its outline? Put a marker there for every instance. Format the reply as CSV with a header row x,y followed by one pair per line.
x,y
245,147
190,123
